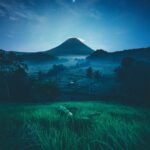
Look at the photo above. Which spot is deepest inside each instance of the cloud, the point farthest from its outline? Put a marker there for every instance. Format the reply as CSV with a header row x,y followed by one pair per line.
x,y
17,11
2,13
5,5
80,39
21,14
4,9
13,18
30,16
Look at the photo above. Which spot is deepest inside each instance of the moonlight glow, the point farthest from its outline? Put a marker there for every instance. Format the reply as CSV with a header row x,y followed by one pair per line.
x,y
38,25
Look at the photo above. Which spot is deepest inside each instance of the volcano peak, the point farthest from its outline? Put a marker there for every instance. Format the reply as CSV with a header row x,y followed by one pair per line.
x,y
72,46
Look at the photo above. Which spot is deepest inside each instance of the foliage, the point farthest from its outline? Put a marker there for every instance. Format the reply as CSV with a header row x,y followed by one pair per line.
x,y
89,72
97,75
56,69
93,74
45,90
17,85
134,78
41,127
13,78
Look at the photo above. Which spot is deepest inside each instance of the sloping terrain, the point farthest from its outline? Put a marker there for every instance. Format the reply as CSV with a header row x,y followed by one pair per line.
x,y
72,46
74,126
141,53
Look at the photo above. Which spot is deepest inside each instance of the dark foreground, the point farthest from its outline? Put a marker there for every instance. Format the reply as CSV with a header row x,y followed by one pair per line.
x,y
74,126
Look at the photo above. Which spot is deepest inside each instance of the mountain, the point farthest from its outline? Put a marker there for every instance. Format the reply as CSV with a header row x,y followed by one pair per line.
x,y
37,57
140,53
30,56
72,46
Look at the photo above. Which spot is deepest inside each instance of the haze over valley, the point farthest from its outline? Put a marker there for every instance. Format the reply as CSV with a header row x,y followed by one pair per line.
x,y
74,74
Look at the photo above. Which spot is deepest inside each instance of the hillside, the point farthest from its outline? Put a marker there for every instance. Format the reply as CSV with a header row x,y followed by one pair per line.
x,y
88,126
141,53
38,57
72,46
31,56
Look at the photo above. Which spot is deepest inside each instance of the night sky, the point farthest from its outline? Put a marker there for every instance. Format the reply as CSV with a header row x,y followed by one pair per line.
x,y
37,25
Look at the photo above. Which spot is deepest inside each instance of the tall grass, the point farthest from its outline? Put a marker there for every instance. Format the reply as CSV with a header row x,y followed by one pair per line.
x,y
42,127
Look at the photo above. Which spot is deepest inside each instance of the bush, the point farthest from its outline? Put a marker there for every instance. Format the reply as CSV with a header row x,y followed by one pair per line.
x,y
89,72
15,83
56,69
45,90
134,79
97,75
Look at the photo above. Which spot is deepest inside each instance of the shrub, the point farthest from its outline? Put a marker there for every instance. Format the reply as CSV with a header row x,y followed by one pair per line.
x,y
45,90
89,72
15,83
134,79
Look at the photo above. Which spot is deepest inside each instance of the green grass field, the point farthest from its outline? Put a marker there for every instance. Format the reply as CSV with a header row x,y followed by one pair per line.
x,y
93,126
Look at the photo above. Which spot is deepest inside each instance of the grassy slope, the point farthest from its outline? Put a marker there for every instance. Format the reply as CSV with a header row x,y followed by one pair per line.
x,y
42,127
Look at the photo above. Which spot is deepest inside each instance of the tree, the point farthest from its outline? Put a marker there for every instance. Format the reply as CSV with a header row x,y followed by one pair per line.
x,y
46,90
89,72
97,75
134,79
127,62
13,77
56,69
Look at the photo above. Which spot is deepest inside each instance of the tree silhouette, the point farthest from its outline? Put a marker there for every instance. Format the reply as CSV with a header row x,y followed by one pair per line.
x,y
97,75
89,72
134,79
13,77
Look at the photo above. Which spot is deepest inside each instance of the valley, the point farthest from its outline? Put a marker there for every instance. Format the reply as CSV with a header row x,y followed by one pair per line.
x,y
75,102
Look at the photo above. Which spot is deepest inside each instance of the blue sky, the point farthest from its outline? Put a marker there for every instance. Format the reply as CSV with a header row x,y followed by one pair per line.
x,y
37,25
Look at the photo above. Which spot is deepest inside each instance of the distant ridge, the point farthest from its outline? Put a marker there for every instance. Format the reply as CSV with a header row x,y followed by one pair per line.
x,y
32,56
72,46
75,47
140,53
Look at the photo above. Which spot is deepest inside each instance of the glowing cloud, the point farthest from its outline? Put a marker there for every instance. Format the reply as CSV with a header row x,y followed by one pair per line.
x,y
80,39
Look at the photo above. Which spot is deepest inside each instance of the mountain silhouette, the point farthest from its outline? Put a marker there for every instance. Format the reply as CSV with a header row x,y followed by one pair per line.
x,y
139,53
72,46
31,56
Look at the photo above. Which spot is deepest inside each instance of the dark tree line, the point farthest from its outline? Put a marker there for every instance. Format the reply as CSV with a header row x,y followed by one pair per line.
x,y
17,85
90,73
134,78
14,81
